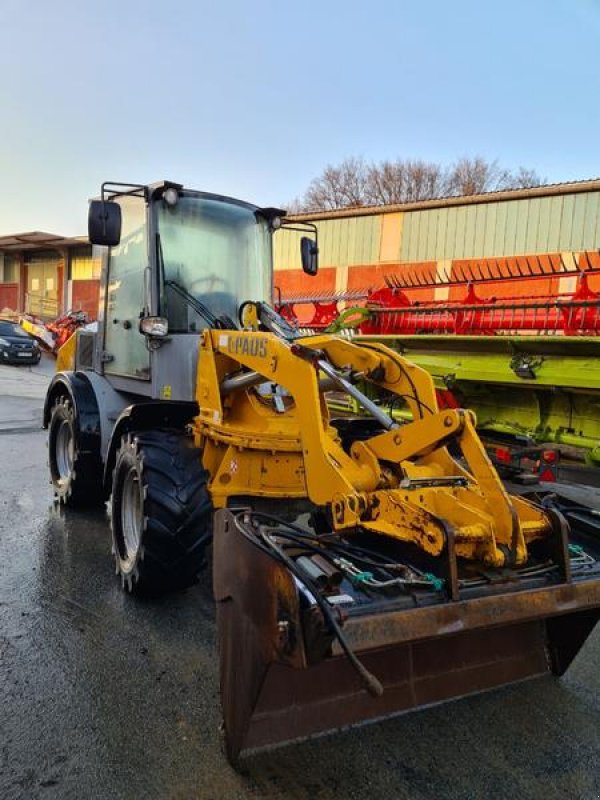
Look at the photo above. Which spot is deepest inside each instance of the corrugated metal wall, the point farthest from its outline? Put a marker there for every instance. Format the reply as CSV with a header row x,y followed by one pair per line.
x,y
568,222
353,240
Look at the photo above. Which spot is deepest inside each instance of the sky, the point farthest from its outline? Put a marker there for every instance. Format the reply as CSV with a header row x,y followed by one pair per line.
x,y
253,99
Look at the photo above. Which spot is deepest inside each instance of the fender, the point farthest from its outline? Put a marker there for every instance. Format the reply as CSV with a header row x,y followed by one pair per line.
x,y
150,415
76,386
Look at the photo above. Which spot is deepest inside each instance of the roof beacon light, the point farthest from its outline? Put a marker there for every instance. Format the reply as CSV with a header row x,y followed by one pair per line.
x,y
171,196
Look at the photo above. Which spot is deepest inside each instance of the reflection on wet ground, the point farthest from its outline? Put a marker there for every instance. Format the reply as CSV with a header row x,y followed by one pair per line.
x,y
103,696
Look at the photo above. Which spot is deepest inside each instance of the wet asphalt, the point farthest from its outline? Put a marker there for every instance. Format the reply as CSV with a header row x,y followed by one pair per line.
x,y
104,696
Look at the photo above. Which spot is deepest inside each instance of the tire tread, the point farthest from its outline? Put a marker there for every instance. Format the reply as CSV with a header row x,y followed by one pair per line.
x,y
177,509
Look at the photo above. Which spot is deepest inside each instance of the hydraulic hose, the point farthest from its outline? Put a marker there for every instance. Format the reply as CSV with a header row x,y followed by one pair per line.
x,y
370,682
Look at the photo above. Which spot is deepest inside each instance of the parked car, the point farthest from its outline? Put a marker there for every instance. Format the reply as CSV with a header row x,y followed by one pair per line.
x,y
16,346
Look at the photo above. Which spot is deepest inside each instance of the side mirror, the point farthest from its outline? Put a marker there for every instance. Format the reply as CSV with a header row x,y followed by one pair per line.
x,y
104,223
309,253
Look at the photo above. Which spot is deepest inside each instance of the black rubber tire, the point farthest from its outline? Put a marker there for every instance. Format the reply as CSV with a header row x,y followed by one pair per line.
x,y
78,484
160,482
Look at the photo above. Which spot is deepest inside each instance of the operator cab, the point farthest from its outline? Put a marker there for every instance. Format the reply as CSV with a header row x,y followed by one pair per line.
x,y
177,261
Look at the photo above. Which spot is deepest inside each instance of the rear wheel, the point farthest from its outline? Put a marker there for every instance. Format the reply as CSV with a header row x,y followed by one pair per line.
x,y
161,512
76,476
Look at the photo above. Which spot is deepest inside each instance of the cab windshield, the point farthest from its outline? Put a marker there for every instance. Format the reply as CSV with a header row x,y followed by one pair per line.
x,y
214,252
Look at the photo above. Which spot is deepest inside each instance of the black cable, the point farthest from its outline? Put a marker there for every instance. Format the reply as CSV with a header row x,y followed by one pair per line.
x,y
338,552
345,550
372,684
410,397
406,375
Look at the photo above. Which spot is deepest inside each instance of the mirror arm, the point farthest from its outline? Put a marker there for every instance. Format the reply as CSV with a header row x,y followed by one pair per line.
x,y
131,188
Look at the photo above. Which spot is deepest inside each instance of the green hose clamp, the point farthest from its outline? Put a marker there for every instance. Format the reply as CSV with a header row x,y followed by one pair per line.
x,y
361,577
437,583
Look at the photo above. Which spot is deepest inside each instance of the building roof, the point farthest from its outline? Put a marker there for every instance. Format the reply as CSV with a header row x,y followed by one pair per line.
x,y
38,240
548,190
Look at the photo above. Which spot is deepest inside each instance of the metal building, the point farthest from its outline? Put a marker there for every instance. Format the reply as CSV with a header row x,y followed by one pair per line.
x,y
360,246
46,274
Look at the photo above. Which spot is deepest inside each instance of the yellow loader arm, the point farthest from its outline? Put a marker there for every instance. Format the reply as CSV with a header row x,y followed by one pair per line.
x,y
265,430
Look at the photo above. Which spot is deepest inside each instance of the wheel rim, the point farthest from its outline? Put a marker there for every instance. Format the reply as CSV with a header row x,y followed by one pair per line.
x,y
131,515
65,450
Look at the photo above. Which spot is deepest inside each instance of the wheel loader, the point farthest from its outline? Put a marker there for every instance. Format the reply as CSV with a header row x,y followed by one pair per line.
x,y
362,566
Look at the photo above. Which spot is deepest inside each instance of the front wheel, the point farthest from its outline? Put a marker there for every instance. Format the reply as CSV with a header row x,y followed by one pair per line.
x,y
76,476
161,512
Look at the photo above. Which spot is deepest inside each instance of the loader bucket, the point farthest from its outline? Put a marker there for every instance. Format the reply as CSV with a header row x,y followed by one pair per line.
x,y
284,677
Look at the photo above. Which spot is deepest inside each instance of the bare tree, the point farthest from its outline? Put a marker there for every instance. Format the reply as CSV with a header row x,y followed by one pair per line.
x,y
404,181
523,178
475,175
338,187
356,183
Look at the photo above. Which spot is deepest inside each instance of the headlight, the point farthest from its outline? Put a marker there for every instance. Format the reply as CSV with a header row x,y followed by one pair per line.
x,y
154,326
3,342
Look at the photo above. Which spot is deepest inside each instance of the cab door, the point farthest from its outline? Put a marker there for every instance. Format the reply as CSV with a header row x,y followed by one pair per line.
x,y
125,348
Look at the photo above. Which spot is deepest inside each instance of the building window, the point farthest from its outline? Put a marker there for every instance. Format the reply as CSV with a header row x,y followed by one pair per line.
x,y
84,267
9,269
